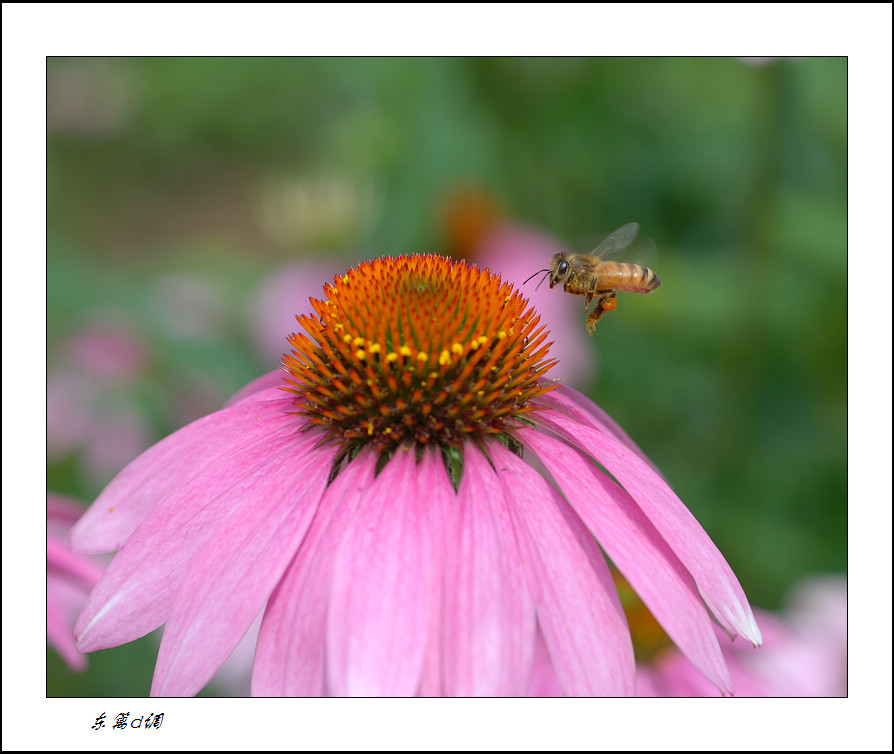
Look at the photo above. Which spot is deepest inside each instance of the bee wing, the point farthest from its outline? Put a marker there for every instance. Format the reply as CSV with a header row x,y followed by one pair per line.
x,y
618,240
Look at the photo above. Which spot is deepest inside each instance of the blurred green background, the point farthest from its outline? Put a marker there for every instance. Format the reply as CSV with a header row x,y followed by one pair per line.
x,y
178,189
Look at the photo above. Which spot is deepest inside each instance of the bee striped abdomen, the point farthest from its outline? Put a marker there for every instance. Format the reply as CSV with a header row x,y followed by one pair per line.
x,y
632,278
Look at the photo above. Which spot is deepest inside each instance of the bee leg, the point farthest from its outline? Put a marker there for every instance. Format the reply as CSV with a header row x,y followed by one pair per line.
x,y
595,315
605,303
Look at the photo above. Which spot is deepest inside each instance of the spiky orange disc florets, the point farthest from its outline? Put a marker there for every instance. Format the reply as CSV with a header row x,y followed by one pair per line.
x,y
418,349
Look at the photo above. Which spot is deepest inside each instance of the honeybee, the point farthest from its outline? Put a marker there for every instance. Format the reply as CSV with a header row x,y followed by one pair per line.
x,y
591,276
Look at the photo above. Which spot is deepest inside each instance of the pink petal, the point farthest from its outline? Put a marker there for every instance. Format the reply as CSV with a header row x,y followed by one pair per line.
x,y
290,659
382,588
171,463
441,500
578,608
716,582
232,577
154,560
488,623
637,550
543,675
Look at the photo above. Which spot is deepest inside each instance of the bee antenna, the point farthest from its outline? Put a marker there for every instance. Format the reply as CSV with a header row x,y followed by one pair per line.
x,y
534,275
541,281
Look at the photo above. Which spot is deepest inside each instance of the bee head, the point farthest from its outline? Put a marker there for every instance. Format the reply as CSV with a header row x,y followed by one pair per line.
x,y
558,269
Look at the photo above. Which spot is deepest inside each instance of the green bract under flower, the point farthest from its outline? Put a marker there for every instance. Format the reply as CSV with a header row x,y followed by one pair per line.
x,y
417,349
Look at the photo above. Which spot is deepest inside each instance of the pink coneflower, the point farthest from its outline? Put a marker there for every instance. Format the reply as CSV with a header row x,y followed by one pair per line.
x,y
383,512
70,577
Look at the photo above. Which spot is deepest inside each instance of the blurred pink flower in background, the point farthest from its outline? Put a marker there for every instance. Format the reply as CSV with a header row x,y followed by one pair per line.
x,y
515,253
70,577
804,651
282,295
90,412
416,551
103,400
107,349
477,230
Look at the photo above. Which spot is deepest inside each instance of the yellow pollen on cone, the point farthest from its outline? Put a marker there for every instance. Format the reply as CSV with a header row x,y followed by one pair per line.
x,y
358,372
